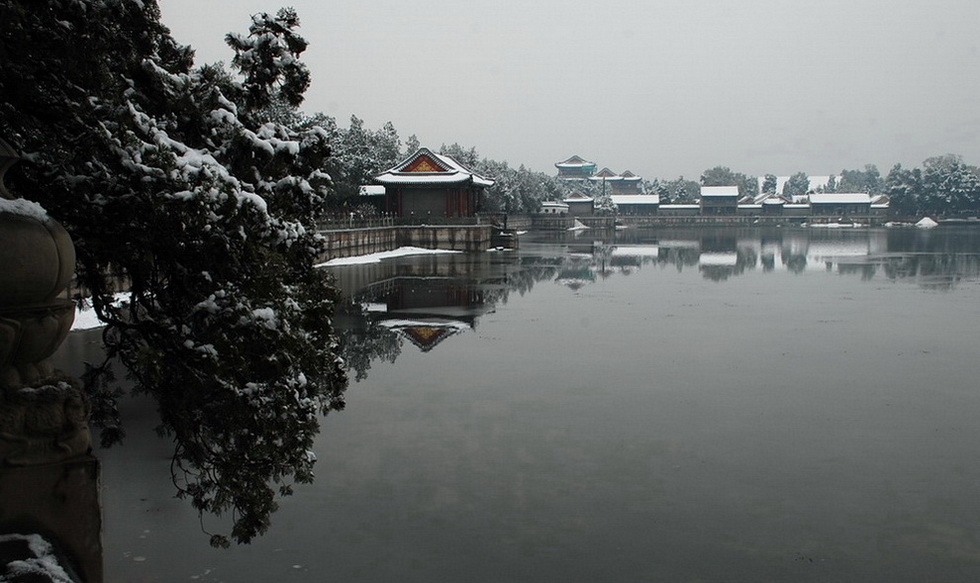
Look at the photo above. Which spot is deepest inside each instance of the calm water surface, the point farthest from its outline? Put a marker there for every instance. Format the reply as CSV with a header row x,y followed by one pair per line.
x,y
672,405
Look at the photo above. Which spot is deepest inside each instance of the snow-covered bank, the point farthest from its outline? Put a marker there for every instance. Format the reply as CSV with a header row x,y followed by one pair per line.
x,y
85,318
378,257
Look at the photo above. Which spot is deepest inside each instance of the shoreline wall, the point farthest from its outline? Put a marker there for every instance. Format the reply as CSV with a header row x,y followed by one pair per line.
x,y
352,242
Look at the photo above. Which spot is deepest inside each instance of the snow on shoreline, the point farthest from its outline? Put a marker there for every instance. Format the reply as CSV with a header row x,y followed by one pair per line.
x,y
85,318
378,257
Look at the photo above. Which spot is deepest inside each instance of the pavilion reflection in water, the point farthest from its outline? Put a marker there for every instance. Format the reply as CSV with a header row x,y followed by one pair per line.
x,y
425,299
426,310
429,299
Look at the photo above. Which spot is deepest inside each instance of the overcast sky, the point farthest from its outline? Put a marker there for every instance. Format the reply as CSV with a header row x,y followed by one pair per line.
x,y
660,87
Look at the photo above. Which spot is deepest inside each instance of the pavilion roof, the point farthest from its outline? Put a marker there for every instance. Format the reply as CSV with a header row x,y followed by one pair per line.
x,y
427,167
719,191
621,199
574,162
841,198
605,173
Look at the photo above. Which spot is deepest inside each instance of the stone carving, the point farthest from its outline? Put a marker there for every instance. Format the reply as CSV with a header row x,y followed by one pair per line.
x,y
43,414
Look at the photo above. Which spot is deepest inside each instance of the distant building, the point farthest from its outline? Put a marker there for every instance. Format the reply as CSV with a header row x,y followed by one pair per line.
x,y
575,168
430,184
636,204
840,204
719,200
580,205
625,183
880,205
773,205
630,184
554,207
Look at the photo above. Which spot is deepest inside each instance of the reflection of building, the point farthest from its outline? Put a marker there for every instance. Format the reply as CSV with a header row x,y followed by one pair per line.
x,y
427,333
430,184
576,277
426,310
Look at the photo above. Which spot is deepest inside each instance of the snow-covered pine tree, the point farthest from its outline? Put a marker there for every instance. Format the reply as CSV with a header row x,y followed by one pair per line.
x,y
178,181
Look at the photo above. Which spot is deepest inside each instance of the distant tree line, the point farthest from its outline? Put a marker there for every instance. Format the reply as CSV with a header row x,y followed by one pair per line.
x,y
945,185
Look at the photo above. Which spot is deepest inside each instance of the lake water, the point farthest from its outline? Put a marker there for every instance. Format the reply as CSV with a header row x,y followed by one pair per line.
x,y
647,405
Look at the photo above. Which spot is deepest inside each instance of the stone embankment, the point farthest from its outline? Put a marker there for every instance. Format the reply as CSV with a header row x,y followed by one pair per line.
x,y
362,241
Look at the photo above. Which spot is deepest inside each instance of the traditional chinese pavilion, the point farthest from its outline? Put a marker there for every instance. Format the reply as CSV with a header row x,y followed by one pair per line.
x,y
575,168
630,183
625,183
430,184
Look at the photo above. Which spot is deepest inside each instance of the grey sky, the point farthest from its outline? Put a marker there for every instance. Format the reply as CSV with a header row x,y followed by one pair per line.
x,y
661,87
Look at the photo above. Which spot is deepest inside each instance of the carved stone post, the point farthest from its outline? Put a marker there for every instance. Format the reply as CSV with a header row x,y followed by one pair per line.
x,y
48,479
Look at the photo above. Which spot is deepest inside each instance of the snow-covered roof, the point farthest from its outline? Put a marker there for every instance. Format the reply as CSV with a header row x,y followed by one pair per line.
x,y
841,198
621,199
574,162
553,203
605,174
372,190
764,196
427,167
710,191
578,198
630,176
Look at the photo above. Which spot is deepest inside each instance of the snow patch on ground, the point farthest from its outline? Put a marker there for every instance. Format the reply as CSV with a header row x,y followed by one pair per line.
x,y
378,257
927,223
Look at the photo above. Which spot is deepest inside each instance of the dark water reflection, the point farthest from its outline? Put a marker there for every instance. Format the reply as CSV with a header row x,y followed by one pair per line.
x,y
426,300
672,405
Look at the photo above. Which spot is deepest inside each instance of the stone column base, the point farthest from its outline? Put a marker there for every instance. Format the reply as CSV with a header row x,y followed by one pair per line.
x,y
61,502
